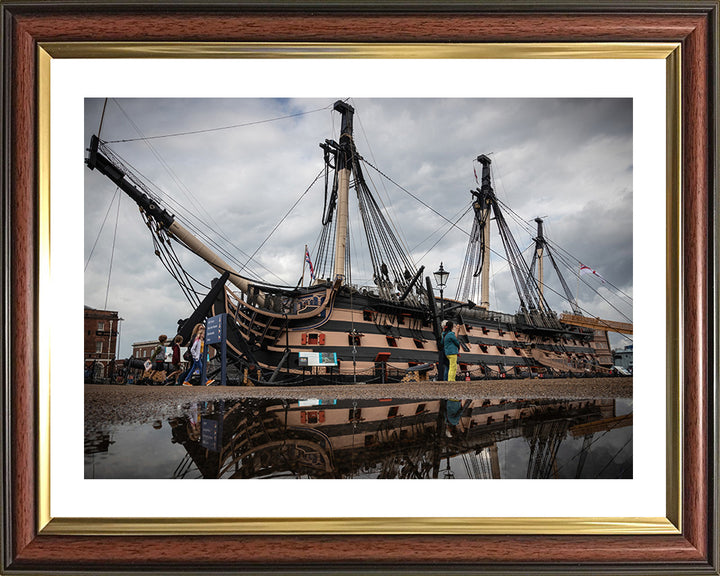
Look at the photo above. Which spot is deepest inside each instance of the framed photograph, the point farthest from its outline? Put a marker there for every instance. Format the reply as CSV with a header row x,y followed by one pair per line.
x,y
432,50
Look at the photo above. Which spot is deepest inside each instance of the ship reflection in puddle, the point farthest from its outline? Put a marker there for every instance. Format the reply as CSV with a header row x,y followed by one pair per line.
x,y
388,438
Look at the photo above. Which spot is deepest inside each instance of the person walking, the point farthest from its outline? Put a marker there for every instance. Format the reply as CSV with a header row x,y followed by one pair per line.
x,y
158,354
452,347
175,361
197,350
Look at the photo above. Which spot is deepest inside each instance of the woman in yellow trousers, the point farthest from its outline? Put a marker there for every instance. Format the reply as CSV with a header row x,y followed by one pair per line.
x,y
452,347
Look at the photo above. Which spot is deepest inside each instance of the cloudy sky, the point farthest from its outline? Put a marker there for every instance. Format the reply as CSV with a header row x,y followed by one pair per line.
x,y
568,161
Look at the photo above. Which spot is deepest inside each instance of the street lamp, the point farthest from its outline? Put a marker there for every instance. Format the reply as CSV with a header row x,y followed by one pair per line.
x,y
441,276
117,344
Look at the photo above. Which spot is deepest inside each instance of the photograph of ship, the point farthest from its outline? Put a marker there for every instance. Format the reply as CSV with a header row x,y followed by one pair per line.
x,y
332,238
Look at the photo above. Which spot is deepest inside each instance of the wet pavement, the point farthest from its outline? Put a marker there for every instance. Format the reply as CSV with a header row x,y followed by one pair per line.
x,y
125,404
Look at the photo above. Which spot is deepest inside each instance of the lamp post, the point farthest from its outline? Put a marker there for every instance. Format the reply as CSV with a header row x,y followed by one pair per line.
x,y
441,276
117,342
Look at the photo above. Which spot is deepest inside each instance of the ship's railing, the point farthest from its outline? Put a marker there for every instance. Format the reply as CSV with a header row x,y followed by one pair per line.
x,y
280,303
489,315
389,293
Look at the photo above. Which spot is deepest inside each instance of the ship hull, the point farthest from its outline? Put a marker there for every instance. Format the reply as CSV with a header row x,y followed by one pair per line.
x,y
379,341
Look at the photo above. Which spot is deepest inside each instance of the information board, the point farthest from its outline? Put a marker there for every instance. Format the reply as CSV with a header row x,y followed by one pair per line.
x,y
211,433
214,333
317,359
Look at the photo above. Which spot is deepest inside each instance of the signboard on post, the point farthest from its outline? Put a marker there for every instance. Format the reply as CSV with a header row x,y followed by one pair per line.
x,y
317,359
211,432
216,333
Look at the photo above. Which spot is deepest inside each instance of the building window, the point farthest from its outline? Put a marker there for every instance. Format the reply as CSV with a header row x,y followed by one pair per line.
x,y
101,325
368,315
393,412
418,343
355,414
391,341
98,347
312,339
420,409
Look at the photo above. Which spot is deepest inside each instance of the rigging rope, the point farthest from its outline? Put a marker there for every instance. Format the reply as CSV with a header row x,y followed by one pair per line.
x,y
112,253
220,128
446,232
415,197
390,211
197,206
572,269
613,458
101,228
282,220
102,118
146,186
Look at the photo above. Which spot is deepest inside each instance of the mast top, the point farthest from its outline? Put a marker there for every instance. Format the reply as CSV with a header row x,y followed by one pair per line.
x,y
347,111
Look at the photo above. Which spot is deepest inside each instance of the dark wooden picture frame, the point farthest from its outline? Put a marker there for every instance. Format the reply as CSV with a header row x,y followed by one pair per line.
x,y
27,25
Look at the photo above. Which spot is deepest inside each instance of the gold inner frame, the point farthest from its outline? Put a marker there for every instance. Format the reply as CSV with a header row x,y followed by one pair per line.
x,y
670,524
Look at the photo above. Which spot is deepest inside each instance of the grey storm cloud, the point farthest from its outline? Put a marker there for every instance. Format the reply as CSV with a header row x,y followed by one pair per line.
x,y
566,160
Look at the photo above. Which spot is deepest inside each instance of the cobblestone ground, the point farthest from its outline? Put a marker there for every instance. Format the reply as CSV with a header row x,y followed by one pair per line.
x,y
106,404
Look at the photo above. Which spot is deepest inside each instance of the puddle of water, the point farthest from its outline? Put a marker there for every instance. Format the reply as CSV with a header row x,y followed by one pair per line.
x,y
388,438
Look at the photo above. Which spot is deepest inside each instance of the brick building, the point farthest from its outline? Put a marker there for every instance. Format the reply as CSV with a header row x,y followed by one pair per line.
x,y
143,350
101,332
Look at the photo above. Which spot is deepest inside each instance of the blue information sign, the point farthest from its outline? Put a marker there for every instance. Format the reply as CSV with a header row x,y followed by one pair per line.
x,y
211,433
215,333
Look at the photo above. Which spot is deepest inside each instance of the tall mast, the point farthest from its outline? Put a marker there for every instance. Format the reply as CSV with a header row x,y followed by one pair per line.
x,y
539,244
344,167
486,191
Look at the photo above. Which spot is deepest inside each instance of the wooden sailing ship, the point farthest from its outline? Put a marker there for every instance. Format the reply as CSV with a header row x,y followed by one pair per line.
x,y
388,332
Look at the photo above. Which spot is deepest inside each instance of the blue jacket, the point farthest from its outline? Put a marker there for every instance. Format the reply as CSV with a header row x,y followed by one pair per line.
x,y
450,343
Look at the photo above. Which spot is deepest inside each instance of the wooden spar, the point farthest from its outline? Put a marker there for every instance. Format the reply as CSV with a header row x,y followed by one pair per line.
x,y
344,166
597,323
197,247
485,191
342,222
96,160
539,250
485,285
